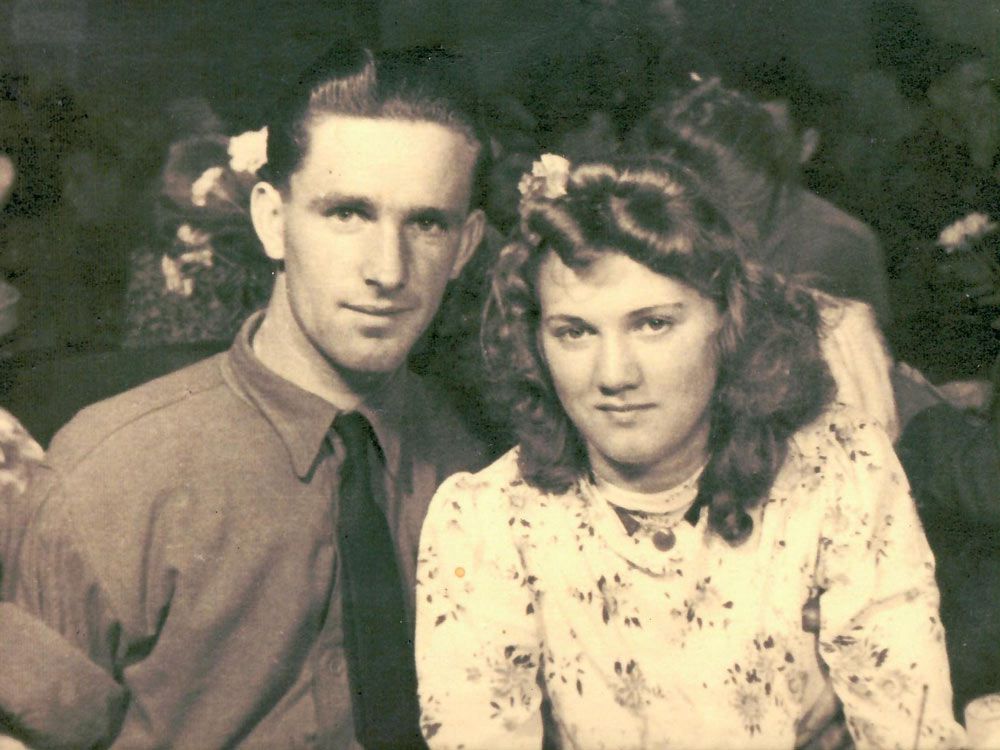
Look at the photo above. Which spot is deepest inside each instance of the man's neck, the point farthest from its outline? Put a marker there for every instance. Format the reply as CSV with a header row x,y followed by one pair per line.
x,y
281,346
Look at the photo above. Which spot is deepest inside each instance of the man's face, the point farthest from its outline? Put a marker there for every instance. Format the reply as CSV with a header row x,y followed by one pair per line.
x,y
374,224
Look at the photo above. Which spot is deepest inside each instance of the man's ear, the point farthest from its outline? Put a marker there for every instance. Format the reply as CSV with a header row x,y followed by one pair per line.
x,y
267,211
472,235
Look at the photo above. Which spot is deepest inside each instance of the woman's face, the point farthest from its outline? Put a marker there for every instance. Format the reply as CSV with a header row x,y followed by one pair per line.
x,y
633,358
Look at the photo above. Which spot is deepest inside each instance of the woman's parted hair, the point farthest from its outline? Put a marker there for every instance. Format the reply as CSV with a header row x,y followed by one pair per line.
x,y
772,377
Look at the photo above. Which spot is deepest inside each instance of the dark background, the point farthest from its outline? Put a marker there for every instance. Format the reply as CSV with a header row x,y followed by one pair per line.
x,y
115,80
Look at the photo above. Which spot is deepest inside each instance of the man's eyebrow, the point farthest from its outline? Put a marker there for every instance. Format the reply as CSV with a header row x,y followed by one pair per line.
x,y
342,200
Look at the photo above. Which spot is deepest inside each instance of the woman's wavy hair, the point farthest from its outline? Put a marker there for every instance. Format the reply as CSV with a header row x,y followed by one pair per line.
x,y
772,378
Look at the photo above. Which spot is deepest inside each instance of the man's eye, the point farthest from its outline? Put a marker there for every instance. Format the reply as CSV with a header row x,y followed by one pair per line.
x,y
345,214
430,226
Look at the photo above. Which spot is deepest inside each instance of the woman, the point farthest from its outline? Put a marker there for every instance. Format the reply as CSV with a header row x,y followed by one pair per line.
x,y
691,545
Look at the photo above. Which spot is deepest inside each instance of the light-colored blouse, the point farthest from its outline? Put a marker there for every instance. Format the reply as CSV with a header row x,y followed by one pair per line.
x,y
859,360
673,638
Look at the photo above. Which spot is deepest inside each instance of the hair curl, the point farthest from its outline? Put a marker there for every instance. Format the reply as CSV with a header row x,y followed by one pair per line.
x,y
772,377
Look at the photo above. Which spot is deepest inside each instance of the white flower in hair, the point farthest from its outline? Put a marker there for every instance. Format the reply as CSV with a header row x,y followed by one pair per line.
x,y
248,151
177,282
210,183
968,229
191,237
547,179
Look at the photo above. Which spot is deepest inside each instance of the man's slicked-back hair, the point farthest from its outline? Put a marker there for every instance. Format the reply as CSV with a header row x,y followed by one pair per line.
x,y
420,84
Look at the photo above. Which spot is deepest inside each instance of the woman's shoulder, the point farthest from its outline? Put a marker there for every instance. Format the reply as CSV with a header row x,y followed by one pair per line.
x,y
843,442
502,472
858,358
499,489
842,429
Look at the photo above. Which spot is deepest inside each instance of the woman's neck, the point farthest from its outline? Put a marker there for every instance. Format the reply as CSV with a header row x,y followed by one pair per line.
x,y
675,499
656,476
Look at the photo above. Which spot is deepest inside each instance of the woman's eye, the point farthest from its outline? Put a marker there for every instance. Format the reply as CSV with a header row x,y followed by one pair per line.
x,y
571,333
655,325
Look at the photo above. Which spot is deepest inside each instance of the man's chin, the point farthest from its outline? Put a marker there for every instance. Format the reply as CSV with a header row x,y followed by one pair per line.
x,y
370,365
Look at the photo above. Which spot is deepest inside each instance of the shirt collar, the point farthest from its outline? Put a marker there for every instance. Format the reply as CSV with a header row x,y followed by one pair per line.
x,y
302,419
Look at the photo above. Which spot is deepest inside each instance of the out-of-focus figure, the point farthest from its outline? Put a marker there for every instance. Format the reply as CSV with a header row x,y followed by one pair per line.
x,y
746,155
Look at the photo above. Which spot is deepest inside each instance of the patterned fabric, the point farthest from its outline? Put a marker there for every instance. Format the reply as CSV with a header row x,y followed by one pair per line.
x,y
701,645
18,452
859,360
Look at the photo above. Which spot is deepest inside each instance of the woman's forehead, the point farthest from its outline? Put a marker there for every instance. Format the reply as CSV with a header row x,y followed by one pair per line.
x,y
610,283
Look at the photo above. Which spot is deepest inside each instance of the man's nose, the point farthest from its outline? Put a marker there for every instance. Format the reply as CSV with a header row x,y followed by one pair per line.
x,y
386,262
617,368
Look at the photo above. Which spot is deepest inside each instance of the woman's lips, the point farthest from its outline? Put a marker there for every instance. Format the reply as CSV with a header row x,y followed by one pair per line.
x,y
624,408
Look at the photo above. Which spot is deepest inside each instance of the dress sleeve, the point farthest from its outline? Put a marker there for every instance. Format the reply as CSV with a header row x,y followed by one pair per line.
x,y
880,634
478,647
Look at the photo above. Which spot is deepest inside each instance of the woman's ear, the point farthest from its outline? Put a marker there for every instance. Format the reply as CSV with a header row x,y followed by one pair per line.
x,y
267,211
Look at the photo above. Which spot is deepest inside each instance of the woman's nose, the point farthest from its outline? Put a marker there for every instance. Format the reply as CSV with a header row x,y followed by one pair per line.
x,y
617,368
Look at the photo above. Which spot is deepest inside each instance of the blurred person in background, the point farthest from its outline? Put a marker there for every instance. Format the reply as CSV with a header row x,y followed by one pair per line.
x,y
747,156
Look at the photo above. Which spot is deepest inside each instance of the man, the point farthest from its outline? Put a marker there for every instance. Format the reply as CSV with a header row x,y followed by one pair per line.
x,y
234,542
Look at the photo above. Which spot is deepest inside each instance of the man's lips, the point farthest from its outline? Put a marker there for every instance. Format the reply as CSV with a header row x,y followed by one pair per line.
x,y
378,311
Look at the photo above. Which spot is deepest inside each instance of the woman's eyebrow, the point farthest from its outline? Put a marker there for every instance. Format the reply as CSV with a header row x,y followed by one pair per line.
x,y
667,307
566,318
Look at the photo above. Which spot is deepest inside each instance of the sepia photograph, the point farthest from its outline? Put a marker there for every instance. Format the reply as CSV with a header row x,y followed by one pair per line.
x,y
499,375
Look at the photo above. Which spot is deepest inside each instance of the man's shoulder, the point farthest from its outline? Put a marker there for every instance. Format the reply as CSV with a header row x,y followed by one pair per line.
x,y
163,407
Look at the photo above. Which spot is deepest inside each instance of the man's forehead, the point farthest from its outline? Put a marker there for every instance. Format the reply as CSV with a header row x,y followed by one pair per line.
x,y
360,154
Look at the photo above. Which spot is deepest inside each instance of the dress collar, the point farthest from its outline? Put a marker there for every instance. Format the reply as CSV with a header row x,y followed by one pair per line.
x,y
674,500
639,550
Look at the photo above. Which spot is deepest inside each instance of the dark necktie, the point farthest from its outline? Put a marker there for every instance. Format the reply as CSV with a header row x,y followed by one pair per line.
x,y
377,636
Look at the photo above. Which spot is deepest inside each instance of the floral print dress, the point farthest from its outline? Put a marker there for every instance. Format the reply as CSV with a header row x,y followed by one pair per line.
x,y
647,640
